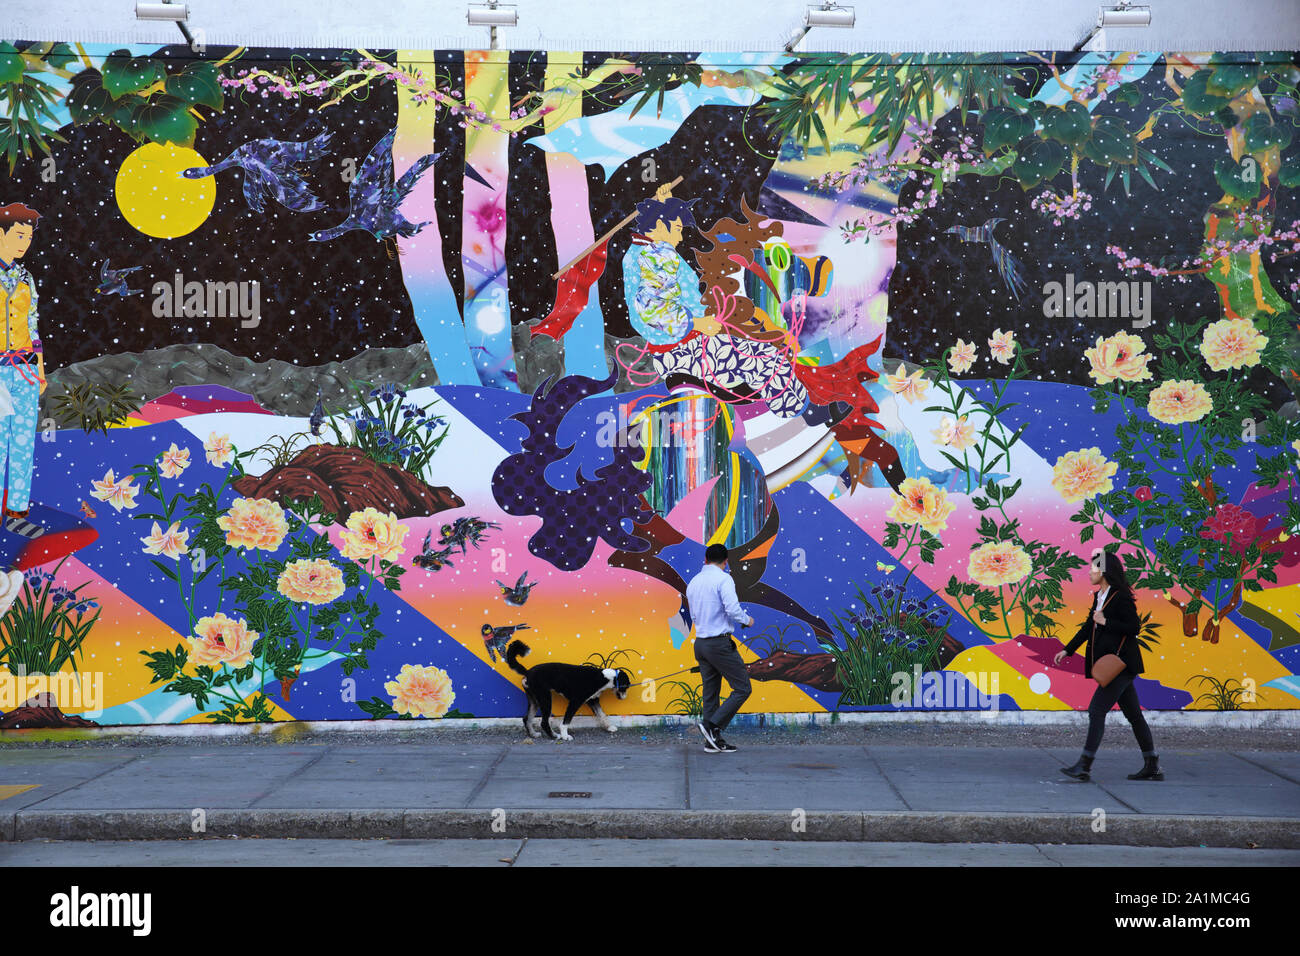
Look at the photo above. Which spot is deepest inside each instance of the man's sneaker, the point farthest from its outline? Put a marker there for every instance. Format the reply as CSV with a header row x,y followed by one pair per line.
x,y
723,746
710,749
708,731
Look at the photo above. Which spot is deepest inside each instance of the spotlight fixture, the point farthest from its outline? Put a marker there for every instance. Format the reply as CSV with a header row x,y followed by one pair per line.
x,y
493,15
829,14
162,11
1124,14
179,13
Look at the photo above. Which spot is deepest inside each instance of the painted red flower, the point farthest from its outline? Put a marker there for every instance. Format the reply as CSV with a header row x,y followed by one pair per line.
x,y
1143,493
1235,520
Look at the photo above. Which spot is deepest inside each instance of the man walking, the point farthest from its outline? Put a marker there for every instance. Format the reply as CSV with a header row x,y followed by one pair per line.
x,y
711,597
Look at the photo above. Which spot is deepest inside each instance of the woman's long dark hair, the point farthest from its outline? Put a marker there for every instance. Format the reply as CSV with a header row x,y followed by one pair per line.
x,y
1114,575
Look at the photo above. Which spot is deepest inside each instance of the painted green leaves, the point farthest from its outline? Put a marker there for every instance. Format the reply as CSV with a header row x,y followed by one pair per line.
x,y
1070,124
1238,181
1038,162
1003,126
196,85
141,99
124,73
1110,142
29,121
1262,134
1044,138
165,119
11,63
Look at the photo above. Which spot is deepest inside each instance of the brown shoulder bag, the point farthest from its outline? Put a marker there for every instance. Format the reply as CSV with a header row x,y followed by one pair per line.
x,y
1109,666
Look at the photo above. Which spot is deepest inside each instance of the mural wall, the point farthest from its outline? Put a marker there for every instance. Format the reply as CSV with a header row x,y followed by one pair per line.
x,y
329,373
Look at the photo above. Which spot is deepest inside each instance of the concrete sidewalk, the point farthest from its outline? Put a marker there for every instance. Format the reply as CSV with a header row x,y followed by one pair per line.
x,y
855,785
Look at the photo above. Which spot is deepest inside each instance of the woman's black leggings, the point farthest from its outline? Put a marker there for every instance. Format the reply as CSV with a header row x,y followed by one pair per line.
x,y
1121,691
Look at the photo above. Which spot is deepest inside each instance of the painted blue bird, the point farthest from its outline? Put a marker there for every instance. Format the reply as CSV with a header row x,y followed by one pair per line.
x,y
113,281
375,198
270,169
1008,267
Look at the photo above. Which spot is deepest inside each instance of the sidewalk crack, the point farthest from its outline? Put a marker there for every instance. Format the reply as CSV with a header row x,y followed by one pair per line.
x,y
884,776
79,783
487,775
1043,854
1276,773
290,775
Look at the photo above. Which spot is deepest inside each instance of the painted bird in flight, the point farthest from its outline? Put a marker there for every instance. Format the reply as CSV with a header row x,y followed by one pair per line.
x,y
517,595
431,559
496,638
375,198
113,281
270,169
1008,267
464,531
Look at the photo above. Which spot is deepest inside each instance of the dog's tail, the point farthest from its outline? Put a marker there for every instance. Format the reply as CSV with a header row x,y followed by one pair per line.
x,y
516,650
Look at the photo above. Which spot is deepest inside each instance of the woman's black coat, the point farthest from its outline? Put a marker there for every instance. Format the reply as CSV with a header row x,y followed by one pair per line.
x,y
1121,624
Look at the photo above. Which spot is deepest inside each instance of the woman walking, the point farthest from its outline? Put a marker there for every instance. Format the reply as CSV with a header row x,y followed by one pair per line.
x,y
1112,629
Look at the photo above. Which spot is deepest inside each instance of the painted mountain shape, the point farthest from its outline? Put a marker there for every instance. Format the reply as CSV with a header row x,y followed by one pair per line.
x,y
199,400
348,481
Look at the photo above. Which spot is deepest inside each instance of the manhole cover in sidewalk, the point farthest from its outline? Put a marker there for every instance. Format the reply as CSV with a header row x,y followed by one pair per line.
x,y
569,793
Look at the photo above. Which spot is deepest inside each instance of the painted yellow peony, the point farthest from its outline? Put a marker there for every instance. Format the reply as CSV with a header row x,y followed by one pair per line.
x,y
1232,343
421,691
918,501
222,640
1119,357
254,523
1179,401
1079,475
314,581
998,563
371,534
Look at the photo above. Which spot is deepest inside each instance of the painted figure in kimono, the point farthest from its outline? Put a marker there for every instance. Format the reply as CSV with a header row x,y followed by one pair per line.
x,y
22,366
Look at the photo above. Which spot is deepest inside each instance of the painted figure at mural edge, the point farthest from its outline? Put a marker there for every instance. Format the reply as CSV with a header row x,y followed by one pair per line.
x,y
22,367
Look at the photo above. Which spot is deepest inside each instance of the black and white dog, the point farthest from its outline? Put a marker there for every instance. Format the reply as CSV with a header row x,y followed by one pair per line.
x,y
578,683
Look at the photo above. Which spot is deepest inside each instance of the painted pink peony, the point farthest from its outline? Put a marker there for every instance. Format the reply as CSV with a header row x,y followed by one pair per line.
x,y
1230,519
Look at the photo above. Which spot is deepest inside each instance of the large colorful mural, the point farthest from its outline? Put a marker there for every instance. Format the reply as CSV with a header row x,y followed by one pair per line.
x,y
330,372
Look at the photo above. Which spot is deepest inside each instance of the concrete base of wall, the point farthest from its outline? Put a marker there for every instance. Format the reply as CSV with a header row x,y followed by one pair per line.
x,y
1187,719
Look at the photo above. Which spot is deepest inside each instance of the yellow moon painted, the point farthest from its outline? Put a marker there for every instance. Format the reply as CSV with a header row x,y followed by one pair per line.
x,y
156,199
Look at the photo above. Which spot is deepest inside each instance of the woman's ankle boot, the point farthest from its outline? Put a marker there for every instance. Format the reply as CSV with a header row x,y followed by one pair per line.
x,y
1080,769
1150,769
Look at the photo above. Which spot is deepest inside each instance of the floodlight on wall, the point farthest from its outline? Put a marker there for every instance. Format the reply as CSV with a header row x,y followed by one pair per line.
x,y
179,13
162,11
1124,14
493,15
829,14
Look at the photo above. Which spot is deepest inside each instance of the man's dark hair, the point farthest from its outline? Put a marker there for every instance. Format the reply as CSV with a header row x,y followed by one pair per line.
x,y
715,553
650,212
